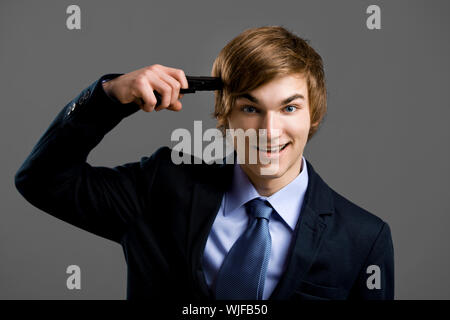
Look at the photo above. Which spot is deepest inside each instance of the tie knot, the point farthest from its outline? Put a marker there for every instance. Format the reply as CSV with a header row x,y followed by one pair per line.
x,y
259,208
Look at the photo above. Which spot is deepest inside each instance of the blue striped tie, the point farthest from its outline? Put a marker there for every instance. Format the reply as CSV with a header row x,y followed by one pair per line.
x,y
244,269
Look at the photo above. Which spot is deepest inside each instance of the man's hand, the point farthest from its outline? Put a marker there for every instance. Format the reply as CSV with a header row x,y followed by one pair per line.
x,y
137,86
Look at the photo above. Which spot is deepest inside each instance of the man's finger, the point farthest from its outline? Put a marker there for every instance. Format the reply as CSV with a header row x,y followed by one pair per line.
x,y
177,74
147,99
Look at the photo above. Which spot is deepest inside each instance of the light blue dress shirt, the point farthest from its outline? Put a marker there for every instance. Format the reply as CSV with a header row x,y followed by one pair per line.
x,y
232,219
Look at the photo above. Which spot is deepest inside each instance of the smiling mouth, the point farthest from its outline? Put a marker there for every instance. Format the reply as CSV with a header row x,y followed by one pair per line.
x,y
273,149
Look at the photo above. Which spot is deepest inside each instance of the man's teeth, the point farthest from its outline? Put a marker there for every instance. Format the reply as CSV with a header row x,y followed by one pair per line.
x,y
272,149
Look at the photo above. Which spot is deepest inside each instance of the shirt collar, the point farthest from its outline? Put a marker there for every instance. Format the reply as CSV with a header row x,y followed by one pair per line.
x,y
287,202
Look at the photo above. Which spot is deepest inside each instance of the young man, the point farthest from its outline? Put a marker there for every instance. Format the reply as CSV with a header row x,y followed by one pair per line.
x,y
217,231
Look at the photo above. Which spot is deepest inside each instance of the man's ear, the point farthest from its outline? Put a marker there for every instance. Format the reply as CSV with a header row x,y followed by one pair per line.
x,y
315,124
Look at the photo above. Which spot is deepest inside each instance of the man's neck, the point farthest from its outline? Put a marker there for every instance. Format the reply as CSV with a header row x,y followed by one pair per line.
x,y
267,186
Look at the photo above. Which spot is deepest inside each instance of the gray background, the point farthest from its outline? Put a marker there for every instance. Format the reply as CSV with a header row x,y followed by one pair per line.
x,y
384,143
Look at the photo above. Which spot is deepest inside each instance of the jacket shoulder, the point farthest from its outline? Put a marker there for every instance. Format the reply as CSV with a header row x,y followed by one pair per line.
x,y
360,221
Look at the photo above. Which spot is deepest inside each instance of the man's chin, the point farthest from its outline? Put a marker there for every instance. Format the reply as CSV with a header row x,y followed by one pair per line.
x,y
267,171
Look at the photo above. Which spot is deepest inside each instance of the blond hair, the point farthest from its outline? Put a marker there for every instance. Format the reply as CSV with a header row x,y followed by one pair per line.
x,y
258,55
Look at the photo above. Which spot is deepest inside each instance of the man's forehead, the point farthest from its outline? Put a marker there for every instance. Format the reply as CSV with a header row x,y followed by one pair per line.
x,y
296,81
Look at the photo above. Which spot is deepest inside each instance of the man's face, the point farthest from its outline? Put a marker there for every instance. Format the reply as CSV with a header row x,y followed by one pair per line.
x,y
280,106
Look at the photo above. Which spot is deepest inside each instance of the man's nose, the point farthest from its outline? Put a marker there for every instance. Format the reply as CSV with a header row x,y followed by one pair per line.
x,y
270,123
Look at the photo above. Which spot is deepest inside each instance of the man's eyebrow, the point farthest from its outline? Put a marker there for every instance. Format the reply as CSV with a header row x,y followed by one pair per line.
x,y
248,96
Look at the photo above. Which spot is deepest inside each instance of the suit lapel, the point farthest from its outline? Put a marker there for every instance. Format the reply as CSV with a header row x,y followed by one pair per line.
x,y
206,199
308,235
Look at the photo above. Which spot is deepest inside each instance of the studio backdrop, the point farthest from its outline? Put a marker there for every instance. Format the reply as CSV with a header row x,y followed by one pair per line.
x,y
384,142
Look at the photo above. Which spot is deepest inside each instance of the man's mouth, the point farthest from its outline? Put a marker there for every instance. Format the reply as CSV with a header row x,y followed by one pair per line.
x,y
273,149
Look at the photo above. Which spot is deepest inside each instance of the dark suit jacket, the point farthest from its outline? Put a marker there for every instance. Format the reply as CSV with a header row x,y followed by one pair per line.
x,y
161,213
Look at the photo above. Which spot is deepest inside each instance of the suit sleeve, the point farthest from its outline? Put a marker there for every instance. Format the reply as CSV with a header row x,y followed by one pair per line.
x,y
56,178
376,279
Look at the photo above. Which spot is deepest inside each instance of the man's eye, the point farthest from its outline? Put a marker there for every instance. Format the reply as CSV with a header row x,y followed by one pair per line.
x,y
249,109
290,109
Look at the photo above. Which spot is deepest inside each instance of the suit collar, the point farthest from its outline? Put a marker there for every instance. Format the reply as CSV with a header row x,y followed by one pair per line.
x,y
286,201
318,195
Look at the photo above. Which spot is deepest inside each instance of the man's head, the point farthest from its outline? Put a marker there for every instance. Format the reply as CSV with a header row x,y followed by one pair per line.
x,y
273,80
259,55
